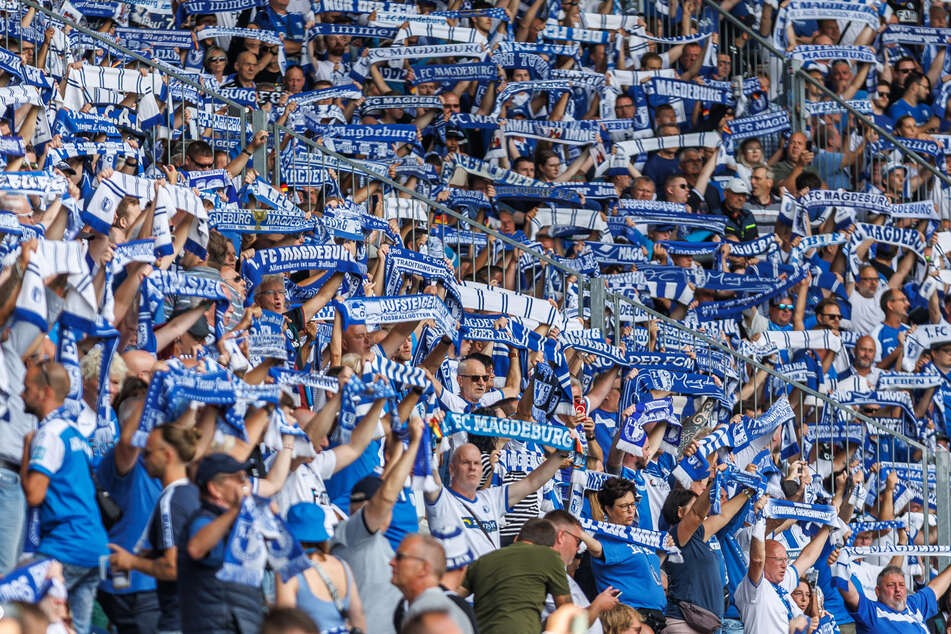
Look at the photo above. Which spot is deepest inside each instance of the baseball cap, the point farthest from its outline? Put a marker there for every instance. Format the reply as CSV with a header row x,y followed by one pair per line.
x,y
738,186
364,489
215,464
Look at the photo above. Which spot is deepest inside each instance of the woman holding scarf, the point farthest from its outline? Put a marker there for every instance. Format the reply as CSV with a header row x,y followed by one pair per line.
x,y
634,570
697,581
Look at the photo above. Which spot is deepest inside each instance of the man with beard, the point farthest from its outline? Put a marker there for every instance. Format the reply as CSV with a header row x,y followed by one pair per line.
x,y
863,375
894,611
56,478
336,63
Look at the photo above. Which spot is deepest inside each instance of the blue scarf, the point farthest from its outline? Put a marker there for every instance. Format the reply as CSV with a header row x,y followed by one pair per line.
x,y
651,540
254,221
811,513
761,124
527,431
28,583
918,35
160,284
257,539
664,87
297,258
389,310
632,436
454,73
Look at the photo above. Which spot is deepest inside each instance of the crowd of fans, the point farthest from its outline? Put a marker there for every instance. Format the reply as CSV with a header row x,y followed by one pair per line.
x,y
249,387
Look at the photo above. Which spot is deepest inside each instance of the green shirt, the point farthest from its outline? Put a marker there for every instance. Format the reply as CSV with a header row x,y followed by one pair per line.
x,y
510,586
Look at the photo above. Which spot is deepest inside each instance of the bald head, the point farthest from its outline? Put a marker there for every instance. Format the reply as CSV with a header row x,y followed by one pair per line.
x,y
774,568
465,470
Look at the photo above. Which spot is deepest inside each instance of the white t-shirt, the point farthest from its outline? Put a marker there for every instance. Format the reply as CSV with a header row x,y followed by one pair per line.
x,y
452,513
761,608
866,311
306,484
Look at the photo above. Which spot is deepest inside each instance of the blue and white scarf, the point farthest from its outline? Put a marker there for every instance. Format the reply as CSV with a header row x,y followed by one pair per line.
x,y
651,540
861,54
801,511
391,310
556,436
260,538
28,583
918,35
663,87
761,124
297,258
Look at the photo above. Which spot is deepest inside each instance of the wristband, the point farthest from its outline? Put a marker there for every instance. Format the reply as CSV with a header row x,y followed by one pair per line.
x,y
245,151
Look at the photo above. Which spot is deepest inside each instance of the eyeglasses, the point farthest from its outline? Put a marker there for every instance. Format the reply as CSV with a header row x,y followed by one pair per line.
x,y
831,316
398,556
217,58
203,166
626,507
476,377
682,185
577,538
884,94
905,70
782,559
784,306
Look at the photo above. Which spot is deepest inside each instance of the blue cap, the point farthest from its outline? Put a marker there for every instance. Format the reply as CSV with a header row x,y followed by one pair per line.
x,y
305,521
215,464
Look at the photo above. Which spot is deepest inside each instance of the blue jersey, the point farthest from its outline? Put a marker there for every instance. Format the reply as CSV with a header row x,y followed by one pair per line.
x,y
886,339
405,519
70,527
873,617
136,493
633,570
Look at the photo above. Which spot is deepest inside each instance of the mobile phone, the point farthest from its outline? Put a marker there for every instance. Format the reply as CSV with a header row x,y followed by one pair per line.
x,y
581,407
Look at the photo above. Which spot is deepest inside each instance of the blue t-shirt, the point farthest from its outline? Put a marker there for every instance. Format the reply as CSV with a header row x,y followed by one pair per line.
x,y
658,168
70,528
921,112
404,519
341,483
829,166
136,493
699,579
633,570
873,617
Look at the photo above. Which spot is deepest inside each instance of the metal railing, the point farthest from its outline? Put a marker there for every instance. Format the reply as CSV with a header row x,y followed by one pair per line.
x,y
591,291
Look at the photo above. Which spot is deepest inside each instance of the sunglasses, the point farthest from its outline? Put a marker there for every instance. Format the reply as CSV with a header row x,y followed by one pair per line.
x,y
203,166
784,306
831,316
477,377
905,70
212,60
884,94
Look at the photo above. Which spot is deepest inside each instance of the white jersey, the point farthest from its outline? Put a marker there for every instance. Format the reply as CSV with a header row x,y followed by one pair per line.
x,y
478,520
866,311
306,484
761,607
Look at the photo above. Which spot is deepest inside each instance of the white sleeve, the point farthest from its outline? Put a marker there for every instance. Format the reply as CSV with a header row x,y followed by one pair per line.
x,y
47,451
325,464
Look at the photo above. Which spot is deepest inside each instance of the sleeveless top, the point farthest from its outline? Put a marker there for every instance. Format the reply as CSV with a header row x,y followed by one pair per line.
x,y
324,613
